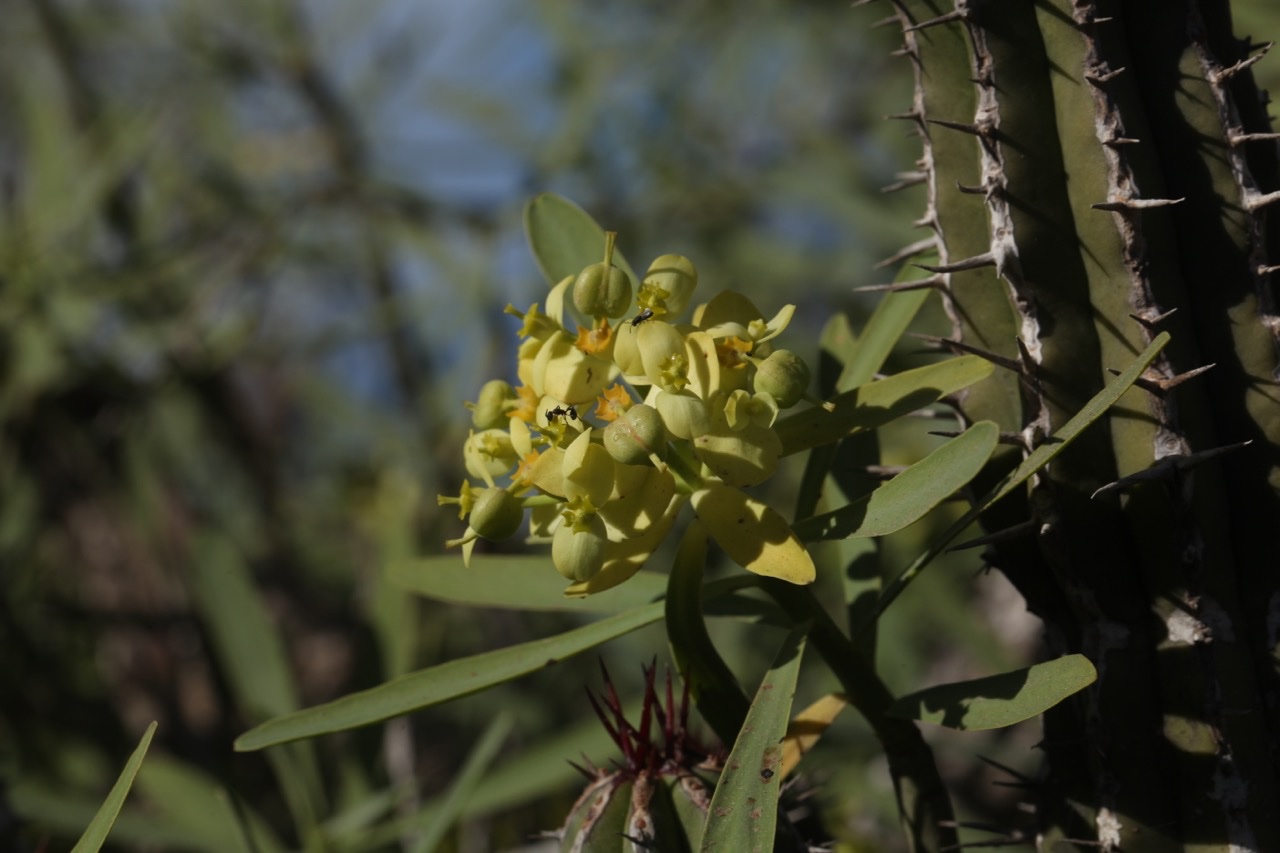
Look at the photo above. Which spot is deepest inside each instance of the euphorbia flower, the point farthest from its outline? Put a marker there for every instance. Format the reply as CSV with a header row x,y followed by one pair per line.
x,y
607,497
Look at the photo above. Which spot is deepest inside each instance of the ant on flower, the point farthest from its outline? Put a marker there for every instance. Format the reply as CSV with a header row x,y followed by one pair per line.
x,y
562,411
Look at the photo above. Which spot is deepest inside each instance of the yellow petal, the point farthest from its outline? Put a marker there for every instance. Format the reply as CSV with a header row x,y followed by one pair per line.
x,y
807,726
742,458
753,534
704,364
588,471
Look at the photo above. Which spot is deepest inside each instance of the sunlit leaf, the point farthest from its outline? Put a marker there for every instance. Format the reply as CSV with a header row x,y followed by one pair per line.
x,y
807,727
998,700
753,535
877,403
565,239
909,496
1035,460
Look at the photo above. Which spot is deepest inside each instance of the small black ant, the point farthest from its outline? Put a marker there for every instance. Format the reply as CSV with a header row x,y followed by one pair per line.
x,y
644,314
562,411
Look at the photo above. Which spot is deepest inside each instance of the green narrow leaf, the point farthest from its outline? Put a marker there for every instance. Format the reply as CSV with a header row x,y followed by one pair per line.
x,y
252,654
437,684
743,814
517,582
1035,460
464,784
909,496
565,239
877,403
457,678
96,833
248,647
519,780
183,796
720,699
998,700
884,328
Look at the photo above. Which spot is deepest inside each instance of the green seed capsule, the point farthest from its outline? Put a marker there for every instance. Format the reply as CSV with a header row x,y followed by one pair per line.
x,y
579,556
784,376
602,291
489,410
639,432
496,514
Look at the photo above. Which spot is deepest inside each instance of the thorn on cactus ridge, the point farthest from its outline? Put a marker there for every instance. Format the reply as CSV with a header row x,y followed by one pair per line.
x,y
884,22
934,281
1122,204
968,190
965,127
986,259
1231,71
1113,141
1160,386
910,115
1255,201
1013,439
909,251
1241,138
1101,78
961,347
957,15
907,50
909,179
1267,270
1168,468
1150,323
1026,780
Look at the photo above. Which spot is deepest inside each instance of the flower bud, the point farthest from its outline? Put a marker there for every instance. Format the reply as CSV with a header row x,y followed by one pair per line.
x,y
489,410
784,376
634,436
668,284
496,514
579,554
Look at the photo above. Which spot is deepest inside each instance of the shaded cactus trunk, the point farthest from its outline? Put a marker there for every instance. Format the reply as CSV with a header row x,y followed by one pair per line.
x,y
1097,173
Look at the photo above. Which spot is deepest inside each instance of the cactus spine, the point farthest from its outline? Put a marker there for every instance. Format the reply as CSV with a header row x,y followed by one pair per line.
x,y
1097,172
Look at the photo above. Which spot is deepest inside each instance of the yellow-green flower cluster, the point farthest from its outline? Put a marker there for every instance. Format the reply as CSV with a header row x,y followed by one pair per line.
x,y
618,423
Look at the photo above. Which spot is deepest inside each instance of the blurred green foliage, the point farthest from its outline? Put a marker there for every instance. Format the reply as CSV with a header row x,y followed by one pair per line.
x,y
253,257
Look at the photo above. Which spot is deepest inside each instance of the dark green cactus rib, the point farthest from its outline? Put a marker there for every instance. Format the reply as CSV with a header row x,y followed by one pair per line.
x,y
1091,167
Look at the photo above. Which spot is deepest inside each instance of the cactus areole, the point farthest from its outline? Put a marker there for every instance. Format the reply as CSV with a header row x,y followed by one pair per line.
x,y
1096,173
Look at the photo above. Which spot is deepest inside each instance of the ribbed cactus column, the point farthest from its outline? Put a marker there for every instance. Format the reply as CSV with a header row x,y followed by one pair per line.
x,y
1098,172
